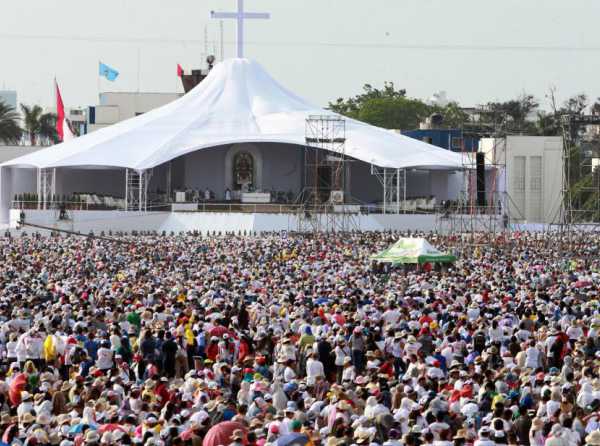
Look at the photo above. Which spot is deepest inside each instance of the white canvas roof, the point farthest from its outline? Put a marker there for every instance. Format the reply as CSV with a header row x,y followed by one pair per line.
x,y
238,102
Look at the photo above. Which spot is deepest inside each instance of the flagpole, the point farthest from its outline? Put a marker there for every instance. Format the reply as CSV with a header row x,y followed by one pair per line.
x,y
138,68
55,96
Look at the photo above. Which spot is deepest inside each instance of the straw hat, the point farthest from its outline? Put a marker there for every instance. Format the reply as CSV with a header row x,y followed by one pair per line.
x,y
362,437
5,418
343,405
107,438
334,441
593,439
237,434
43,419
537,423
92,436
462,434
63,419
27,418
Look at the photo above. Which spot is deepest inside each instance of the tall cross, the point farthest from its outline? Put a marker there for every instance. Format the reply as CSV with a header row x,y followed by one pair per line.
x,y
240,15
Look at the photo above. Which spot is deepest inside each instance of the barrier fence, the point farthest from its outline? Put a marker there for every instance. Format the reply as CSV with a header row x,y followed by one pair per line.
x,y
236,207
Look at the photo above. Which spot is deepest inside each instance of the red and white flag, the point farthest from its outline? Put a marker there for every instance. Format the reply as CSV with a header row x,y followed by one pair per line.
x,y
179,71
62,123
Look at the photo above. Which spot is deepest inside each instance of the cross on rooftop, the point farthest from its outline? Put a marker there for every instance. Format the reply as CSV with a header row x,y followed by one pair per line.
x,y
240,15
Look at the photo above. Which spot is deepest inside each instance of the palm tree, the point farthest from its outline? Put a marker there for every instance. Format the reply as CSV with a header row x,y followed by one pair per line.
x,y
39,124
10,132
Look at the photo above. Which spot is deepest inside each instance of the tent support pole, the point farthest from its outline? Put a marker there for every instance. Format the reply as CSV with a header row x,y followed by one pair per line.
x,y
140,190
404,189
384,189
39,187
397,191
168,188
53,187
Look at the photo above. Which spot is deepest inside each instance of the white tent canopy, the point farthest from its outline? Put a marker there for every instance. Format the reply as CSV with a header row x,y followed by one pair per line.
x,y
238,102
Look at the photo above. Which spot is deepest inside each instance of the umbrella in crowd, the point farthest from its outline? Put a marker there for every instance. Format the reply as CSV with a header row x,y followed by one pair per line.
x,y
295,438
222,433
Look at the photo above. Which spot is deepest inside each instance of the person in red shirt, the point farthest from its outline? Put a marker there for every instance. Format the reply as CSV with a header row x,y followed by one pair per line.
x,y
162,391
212,351
425,319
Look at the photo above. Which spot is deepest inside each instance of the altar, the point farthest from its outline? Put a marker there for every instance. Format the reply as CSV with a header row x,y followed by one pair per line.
x,y
255,197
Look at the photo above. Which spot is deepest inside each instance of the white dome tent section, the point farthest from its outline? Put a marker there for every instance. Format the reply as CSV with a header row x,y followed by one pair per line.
x,y
238,103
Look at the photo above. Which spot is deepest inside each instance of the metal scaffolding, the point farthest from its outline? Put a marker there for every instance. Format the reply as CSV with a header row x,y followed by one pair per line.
x,y
581,157
465,216
46,185
393,182
136,189
323,197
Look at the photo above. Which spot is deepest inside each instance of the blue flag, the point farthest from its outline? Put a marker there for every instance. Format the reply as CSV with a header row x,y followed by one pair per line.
x,y
108,72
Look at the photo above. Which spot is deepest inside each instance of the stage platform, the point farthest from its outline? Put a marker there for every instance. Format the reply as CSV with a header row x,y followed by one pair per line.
x,y
210,222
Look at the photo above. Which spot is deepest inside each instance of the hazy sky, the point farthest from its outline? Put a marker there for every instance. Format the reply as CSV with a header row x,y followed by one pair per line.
x,y
476,50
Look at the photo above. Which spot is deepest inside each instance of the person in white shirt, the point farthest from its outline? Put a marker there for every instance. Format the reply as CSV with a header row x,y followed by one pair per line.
x,y
391,316
340,355
105,356
532,358
314,368
484,438
34,345
575,332
11,348
288,372
349,373
26,405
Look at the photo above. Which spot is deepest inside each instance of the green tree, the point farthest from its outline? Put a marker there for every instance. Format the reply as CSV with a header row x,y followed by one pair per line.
x,y
575,104
454,116
547,124
351,107
512,115
10,132
39,125
399,113
390,108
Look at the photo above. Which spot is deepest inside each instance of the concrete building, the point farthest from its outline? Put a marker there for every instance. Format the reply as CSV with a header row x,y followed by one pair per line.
x,y
9,97
529,174
78,118
119,106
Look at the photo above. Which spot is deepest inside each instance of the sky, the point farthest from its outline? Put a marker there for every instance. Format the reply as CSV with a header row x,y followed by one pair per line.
x,y
475,50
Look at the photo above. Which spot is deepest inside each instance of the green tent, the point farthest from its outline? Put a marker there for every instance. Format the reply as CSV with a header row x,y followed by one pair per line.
x,y
412,250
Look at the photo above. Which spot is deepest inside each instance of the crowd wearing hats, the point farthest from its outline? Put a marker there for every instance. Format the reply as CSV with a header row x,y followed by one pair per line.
x,y
298,340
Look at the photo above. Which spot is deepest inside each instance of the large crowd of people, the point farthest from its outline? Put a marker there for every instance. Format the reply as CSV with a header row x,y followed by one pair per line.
x,y
278,340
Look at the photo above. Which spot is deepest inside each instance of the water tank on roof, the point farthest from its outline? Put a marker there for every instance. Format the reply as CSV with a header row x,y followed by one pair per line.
x,y
436,120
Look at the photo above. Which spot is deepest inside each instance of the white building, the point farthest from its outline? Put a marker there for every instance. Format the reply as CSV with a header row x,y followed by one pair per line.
x,y
530,174
78,118
119,106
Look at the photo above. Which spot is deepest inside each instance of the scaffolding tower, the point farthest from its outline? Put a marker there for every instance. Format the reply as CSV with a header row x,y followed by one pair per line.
x,y
323,201
46,184
393,182
136,189
581,157
466,216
